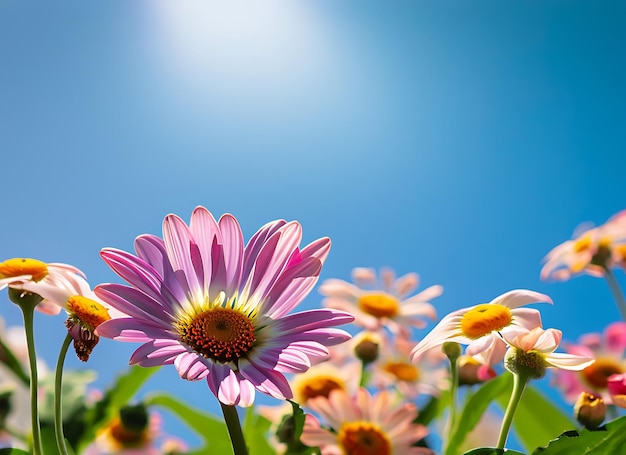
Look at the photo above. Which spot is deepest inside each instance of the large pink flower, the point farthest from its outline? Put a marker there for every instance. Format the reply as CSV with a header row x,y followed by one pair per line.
x,y
590,251
362,424
382,303
479,326
217,310
608,349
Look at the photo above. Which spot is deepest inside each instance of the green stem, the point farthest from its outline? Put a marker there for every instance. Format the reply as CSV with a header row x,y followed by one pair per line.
x,y
454,387
519,384
28,311
58,391
364,375
234,429
616,291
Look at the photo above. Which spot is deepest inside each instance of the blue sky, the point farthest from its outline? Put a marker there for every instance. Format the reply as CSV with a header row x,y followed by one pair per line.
x,y
458,140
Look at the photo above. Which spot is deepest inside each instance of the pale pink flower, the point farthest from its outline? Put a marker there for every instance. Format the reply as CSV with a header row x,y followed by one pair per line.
x,y
608,350
363,424
480,326
17,272
382,302
219,311
544,343
589,252
395,369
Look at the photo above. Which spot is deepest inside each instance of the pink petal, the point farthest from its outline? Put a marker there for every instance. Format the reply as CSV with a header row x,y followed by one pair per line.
x,y
520,297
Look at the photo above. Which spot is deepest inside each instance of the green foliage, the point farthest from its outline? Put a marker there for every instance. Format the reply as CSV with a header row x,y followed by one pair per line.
x,y
118,395
537,420
212,430
13,452
10,360
608,439
290,430
475,405
255,431
492,451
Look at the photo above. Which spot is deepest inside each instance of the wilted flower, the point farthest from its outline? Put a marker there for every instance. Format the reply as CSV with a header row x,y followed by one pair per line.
x,y
217,310
382,304
363,424
591,251
480,326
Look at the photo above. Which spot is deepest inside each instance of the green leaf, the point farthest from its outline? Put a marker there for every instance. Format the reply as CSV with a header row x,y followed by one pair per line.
x,y
474,407
255,432
13,452
119,394
537,420
492,451
10,360
608,439
433,409
211,429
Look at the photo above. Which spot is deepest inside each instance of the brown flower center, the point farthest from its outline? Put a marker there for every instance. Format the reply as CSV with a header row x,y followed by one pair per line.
x,y
125,438
363,438
221,334
23,266
379,305
318,386
597,373
484,319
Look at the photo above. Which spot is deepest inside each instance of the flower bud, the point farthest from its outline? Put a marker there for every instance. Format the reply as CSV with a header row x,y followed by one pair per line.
x,y
452,350
589,410
367,347
471,371
134,418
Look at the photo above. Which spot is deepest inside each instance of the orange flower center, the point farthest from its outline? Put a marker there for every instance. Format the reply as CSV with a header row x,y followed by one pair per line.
x,y
582,244
597,373
319,386
363,438
88,312
484,319
379,305
221,334
403,371
23,266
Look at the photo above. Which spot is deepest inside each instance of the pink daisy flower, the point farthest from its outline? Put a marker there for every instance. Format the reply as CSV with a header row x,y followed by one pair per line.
x,y
382,303
542,343
17,272
481,326
363,425
216,310
608,350
590,251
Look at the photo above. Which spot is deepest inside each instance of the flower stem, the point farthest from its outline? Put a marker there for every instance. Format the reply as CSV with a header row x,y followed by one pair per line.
x,y
616,291
234,429
454,387
28,312
519,384
58,390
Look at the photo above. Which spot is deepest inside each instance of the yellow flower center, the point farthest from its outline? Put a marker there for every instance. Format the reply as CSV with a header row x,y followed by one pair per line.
x,y
23,266
220,334
363,438
318,386
87,311
484,319
597,373
379,305
403,371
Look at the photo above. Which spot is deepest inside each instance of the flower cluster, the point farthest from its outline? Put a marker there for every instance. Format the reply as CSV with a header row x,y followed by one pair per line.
x,y
222,310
